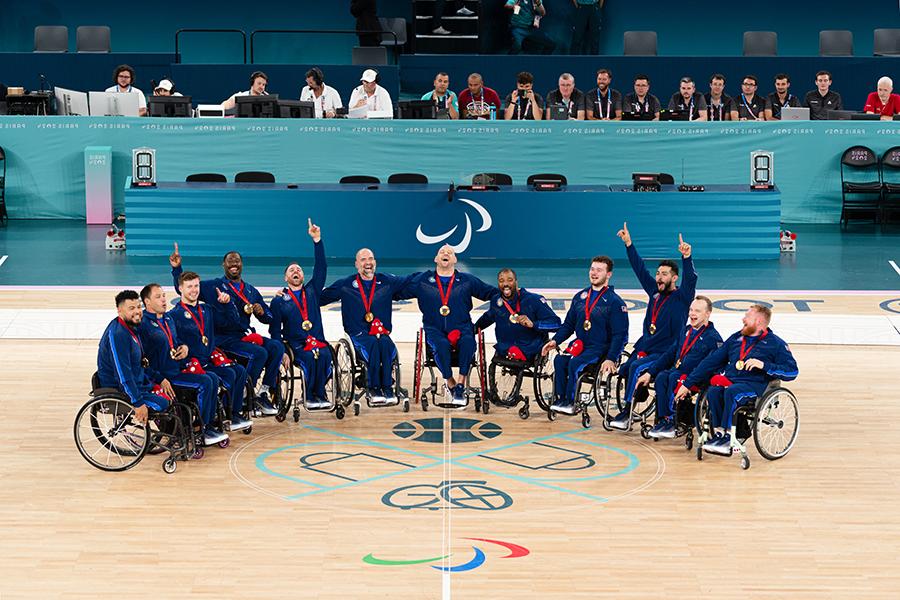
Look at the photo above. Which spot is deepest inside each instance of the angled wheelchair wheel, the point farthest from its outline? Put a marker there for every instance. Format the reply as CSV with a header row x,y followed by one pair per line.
x,y
543,382
504,382
418,367
344,365
300,394
107,436
701,416
776,424
284,387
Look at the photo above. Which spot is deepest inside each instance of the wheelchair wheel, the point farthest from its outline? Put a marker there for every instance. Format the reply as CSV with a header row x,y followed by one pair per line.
x,y
543,382
401,394
344,366
418,367
776,424
284,388
299,395
504,382
107,436
701,416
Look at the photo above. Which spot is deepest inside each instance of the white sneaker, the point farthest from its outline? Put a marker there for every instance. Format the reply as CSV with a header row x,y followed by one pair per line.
x,y
237,424
465,12
211,436
440,31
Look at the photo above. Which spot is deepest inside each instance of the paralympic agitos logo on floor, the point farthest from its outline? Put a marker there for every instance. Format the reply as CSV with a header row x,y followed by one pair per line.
x,y
515,551
460,247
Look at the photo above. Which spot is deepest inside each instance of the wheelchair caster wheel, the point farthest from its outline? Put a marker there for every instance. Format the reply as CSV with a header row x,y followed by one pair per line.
x,y
523,412
699,451
169,465
424,404
586,421
689,442
356,410
339,412
198,453
248,431
406,405
486,407
551,415
478,406
296,415
224,443
280,417
745,462
645,432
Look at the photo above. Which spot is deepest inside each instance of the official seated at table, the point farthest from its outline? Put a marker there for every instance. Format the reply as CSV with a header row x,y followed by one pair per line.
x,y
258,83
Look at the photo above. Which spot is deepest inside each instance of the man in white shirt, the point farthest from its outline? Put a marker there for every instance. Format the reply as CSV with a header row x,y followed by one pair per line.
x,y
165,88
325,98
123,77
258,83
371,95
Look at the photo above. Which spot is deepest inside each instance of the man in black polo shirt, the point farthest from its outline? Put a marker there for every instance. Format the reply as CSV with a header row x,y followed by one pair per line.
x,y
603,103
780,98
641,105
687,101
749,105
569,96
822,99
523,103
719,106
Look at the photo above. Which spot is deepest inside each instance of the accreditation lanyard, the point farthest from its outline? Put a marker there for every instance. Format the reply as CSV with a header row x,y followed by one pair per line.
x,y
749,110
608,114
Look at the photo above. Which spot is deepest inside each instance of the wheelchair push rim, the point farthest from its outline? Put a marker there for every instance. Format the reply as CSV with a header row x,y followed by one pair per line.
x,y
776,424
107,436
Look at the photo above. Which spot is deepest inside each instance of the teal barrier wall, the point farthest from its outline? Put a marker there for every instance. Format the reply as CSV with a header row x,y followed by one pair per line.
x,y
45,176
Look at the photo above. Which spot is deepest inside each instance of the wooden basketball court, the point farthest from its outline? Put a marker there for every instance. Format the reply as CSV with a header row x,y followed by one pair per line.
x,y
358,508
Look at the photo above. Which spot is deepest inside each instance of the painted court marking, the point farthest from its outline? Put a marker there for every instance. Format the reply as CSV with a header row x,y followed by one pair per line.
x,y
5,256
892,263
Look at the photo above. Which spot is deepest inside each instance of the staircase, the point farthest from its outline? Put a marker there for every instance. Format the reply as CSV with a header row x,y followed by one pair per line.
x,y
465,30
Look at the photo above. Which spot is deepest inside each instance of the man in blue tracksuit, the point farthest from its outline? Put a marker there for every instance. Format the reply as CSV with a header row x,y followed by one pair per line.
x,y
667,311
233,301
120,359
297,319
195,323
445,299
366,306
523,319
695,343
743,367
599,319
167,358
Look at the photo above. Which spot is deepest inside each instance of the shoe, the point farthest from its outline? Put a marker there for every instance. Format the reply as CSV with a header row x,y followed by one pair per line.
x,y
265,407
710,445
562,406
211,436
622,421
376,397
440,31
239,423
665,429
465,12
723,446
388,394
458,395
654,431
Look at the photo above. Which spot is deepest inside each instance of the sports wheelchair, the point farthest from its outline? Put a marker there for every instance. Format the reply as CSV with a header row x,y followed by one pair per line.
x,y
505,378
643,402
590,389
282,392
291,389
352,376
772,420
425,361
108,437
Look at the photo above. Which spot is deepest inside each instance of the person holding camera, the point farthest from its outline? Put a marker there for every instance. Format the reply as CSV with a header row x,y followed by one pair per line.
x,y
523,103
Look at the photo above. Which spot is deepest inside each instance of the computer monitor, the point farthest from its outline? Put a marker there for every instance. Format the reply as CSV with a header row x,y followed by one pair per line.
x,y
635,116
839,115
417,109
673,115
170,106
558,112
71,103
113,104
258,107
297,109
864,117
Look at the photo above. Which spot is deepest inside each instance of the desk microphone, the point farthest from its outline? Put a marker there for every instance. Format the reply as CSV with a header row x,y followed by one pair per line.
x,y
43,81
450,192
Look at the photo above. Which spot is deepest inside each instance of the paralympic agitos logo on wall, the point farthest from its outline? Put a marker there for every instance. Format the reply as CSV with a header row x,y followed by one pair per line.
x,y
515,551
460,247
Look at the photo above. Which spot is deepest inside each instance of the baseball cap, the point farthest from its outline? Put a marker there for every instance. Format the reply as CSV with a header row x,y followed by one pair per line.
x,y
165,84
368,75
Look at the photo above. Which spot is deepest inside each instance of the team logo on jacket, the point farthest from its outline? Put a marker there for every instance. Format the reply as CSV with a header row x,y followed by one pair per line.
x,y
154,323
355,284
583,295
499,302
187,314
486,222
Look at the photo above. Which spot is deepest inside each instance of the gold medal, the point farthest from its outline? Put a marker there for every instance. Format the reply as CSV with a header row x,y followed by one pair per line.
x,y
678,364
445,310
306,325
513,318
587,325
145,362
173,352
205,340
652,328
369,317
248,308
739,365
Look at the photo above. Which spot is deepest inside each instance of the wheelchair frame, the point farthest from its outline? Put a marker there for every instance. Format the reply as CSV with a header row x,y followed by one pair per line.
x,y
289,373
424,360
534,369
353,377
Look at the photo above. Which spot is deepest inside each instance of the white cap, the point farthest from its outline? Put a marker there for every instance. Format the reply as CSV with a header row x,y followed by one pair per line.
x,y
165,84
369,75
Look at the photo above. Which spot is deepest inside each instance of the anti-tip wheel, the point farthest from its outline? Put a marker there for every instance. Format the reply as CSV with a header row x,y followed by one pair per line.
x,y
523,413
169,465
586,421
248,431
224,443
198,453
406,405
356,410
339,412
645,432
745,462
280,417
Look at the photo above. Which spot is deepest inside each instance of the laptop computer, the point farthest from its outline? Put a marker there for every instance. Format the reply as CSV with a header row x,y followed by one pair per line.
x,y
794,113
558,112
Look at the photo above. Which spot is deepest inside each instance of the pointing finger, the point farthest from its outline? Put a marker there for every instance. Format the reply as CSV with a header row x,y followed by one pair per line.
x,y
680,239
309,220
176,247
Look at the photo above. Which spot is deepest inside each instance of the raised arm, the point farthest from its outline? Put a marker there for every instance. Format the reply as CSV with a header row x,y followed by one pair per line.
x,y
637,263
320,267
689,273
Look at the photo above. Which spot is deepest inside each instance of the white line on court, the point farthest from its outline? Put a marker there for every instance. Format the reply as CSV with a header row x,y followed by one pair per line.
x,y
5,256
892,263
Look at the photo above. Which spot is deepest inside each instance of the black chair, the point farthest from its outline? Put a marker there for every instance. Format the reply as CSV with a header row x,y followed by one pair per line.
x,y
369,55
760,43
666,179
206,178
547,177
887,42
254,177
398,26
491,179
860,197
640,43
890,180
359,179
51,38
407,178
92,38
3,215
835,42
